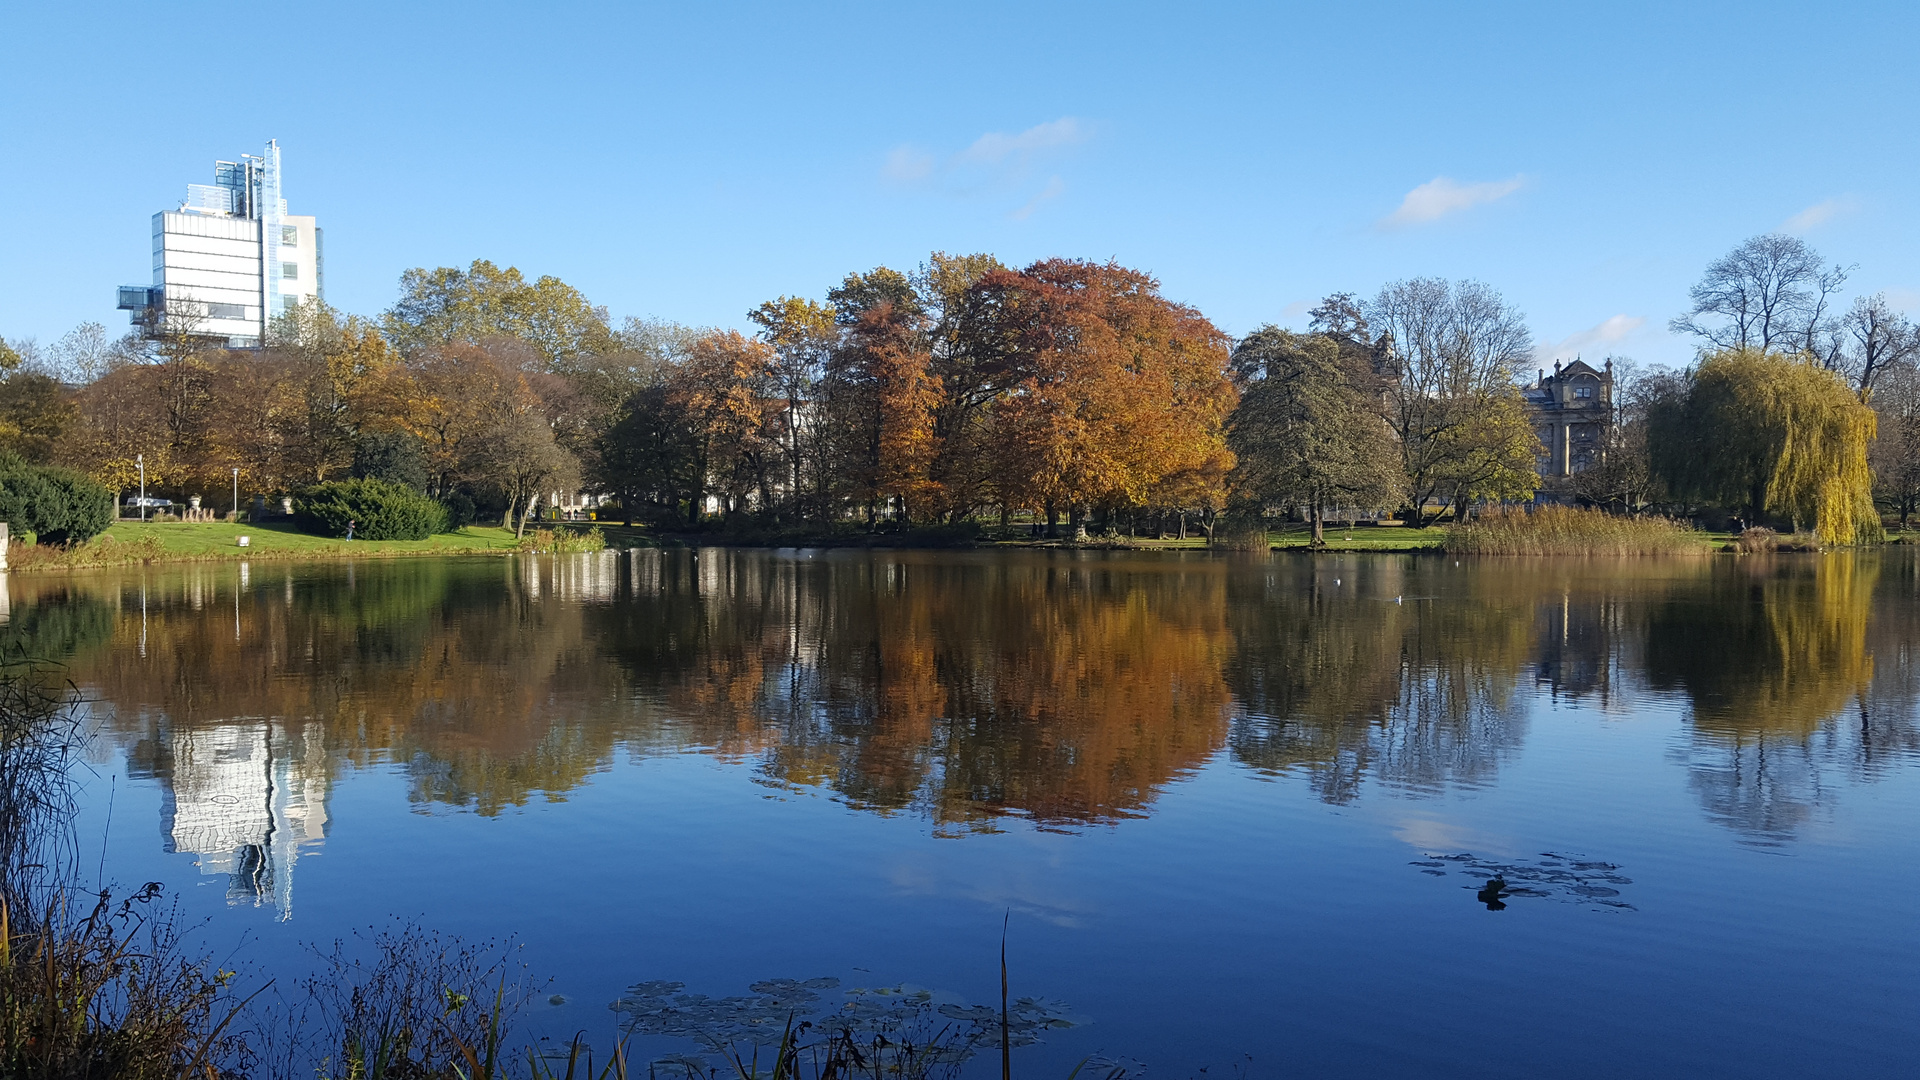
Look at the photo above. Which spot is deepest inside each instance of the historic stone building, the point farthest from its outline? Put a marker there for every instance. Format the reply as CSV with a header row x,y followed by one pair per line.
x,y
1571,410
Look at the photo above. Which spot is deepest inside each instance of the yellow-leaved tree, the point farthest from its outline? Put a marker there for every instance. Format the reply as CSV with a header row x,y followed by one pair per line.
x,y
1773,436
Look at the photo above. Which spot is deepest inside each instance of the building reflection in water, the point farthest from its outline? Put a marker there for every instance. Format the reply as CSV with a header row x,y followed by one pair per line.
x,y
247,798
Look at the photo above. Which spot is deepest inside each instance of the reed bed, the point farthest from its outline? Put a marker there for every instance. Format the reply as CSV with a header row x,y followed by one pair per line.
x,y
1567,530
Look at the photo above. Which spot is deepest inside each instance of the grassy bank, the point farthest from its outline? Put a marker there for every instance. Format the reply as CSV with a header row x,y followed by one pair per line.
x,y
130,542
1361,538
1566,530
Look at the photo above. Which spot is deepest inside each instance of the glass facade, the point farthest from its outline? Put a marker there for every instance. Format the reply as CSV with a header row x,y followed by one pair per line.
x,y
230,259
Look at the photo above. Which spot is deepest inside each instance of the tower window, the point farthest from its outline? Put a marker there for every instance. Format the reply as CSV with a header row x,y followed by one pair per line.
x,y
289,236
1583,392
290,271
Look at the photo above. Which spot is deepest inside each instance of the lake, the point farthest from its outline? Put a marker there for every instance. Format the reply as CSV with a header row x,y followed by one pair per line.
x,y
1236,813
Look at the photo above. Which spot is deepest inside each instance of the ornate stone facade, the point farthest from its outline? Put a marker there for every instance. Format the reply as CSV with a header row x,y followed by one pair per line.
x,y
1571,410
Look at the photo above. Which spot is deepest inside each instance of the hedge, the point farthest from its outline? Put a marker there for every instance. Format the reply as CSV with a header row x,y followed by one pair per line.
x,y
378,509
58,505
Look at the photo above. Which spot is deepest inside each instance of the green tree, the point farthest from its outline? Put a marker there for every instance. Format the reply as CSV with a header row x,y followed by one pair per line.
x,y
1769,434
1309,429
448,305
649,455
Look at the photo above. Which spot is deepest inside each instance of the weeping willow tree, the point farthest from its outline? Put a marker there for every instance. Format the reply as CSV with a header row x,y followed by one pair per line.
x,y
1773,435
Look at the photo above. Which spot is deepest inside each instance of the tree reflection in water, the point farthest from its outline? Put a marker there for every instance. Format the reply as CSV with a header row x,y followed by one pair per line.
x,y
1780,660
962,687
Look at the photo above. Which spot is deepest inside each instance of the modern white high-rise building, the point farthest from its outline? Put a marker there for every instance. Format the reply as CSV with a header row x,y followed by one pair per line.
x,y
230,258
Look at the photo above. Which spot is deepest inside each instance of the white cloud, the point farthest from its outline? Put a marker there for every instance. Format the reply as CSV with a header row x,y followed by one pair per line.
x,y
1052,191
996,162
1428,835
908,165
1608,332
1819,214
995,148
1296,310
1441,196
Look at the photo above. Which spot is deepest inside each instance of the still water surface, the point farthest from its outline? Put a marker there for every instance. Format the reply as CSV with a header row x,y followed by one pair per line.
x,y
1241,809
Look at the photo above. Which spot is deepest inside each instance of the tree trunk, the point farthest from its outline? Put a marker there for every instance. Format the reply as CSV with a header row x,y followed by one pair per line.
x,y
1183,524
1319,525
1053,521
506,519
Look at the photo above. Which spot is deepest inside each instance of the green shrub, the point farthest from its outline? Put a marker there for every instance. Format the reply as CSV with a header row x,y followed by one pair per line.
x,y
379,510
53,504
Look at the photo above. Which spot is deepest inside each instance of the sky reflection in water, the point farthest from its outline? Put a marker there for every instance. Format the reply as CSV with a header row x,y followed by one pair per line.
x,y
1237,805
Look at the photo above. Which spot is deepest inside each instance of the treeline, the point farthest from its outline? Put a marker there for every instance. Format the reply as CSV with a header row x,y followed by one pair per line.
x,y
1068,391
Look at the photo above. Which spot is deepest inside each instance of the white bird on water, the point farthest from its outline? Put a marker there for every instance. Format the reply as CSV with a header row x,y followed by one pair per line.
x,y
1396,599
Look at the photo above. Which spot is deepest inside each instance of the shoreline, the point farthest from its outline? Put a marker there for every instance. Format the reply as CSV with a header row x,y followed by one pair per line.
x,y
129,543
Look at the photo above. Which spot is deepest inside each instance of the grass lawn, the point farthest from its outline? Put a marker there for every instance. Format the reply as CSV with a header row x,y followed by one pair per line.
x,y
1362,538
178,541
181,538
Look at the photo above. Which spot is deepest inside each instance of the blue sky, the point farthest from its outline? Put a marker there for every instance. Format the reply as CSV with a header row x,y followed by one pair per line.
x,y
687,161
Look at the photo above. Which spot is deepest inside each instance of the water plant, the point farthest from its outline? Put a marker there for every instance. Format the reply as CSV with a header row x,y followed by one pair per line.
x,y
1568,530
785,1028
400,1002
562,541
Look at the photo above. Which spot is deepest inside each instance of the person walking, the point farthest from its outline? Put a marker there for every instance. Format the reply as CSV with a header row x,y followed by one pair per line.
x,y
350,525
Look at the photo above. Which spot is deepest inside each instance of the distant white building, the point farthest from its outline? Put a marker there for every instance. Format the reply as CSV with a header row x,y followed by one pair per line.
x,y
230,258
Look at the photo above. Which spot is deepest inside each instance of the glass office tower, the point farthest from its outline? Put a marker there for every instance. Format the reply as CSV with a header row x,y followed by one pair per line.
x,y
230,258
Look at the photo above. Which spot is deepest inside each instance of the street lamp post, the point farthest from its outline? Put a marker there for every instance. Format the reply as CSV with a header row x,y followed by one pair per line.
x,y
141,460
236,494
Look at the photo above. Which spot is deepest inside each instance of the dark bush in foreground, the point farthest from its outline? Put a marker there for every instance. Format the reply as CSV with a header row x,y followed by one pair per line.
x,y
379,510
59,505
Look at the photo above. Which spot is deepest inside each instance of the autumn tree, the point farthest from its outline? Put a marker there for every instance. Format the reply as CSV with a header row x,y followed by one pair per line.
x,y
970,362
1453,352
34,410
518,455
880,398
1110,387
1310,430
803,335
1771,435
725,388
461,393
